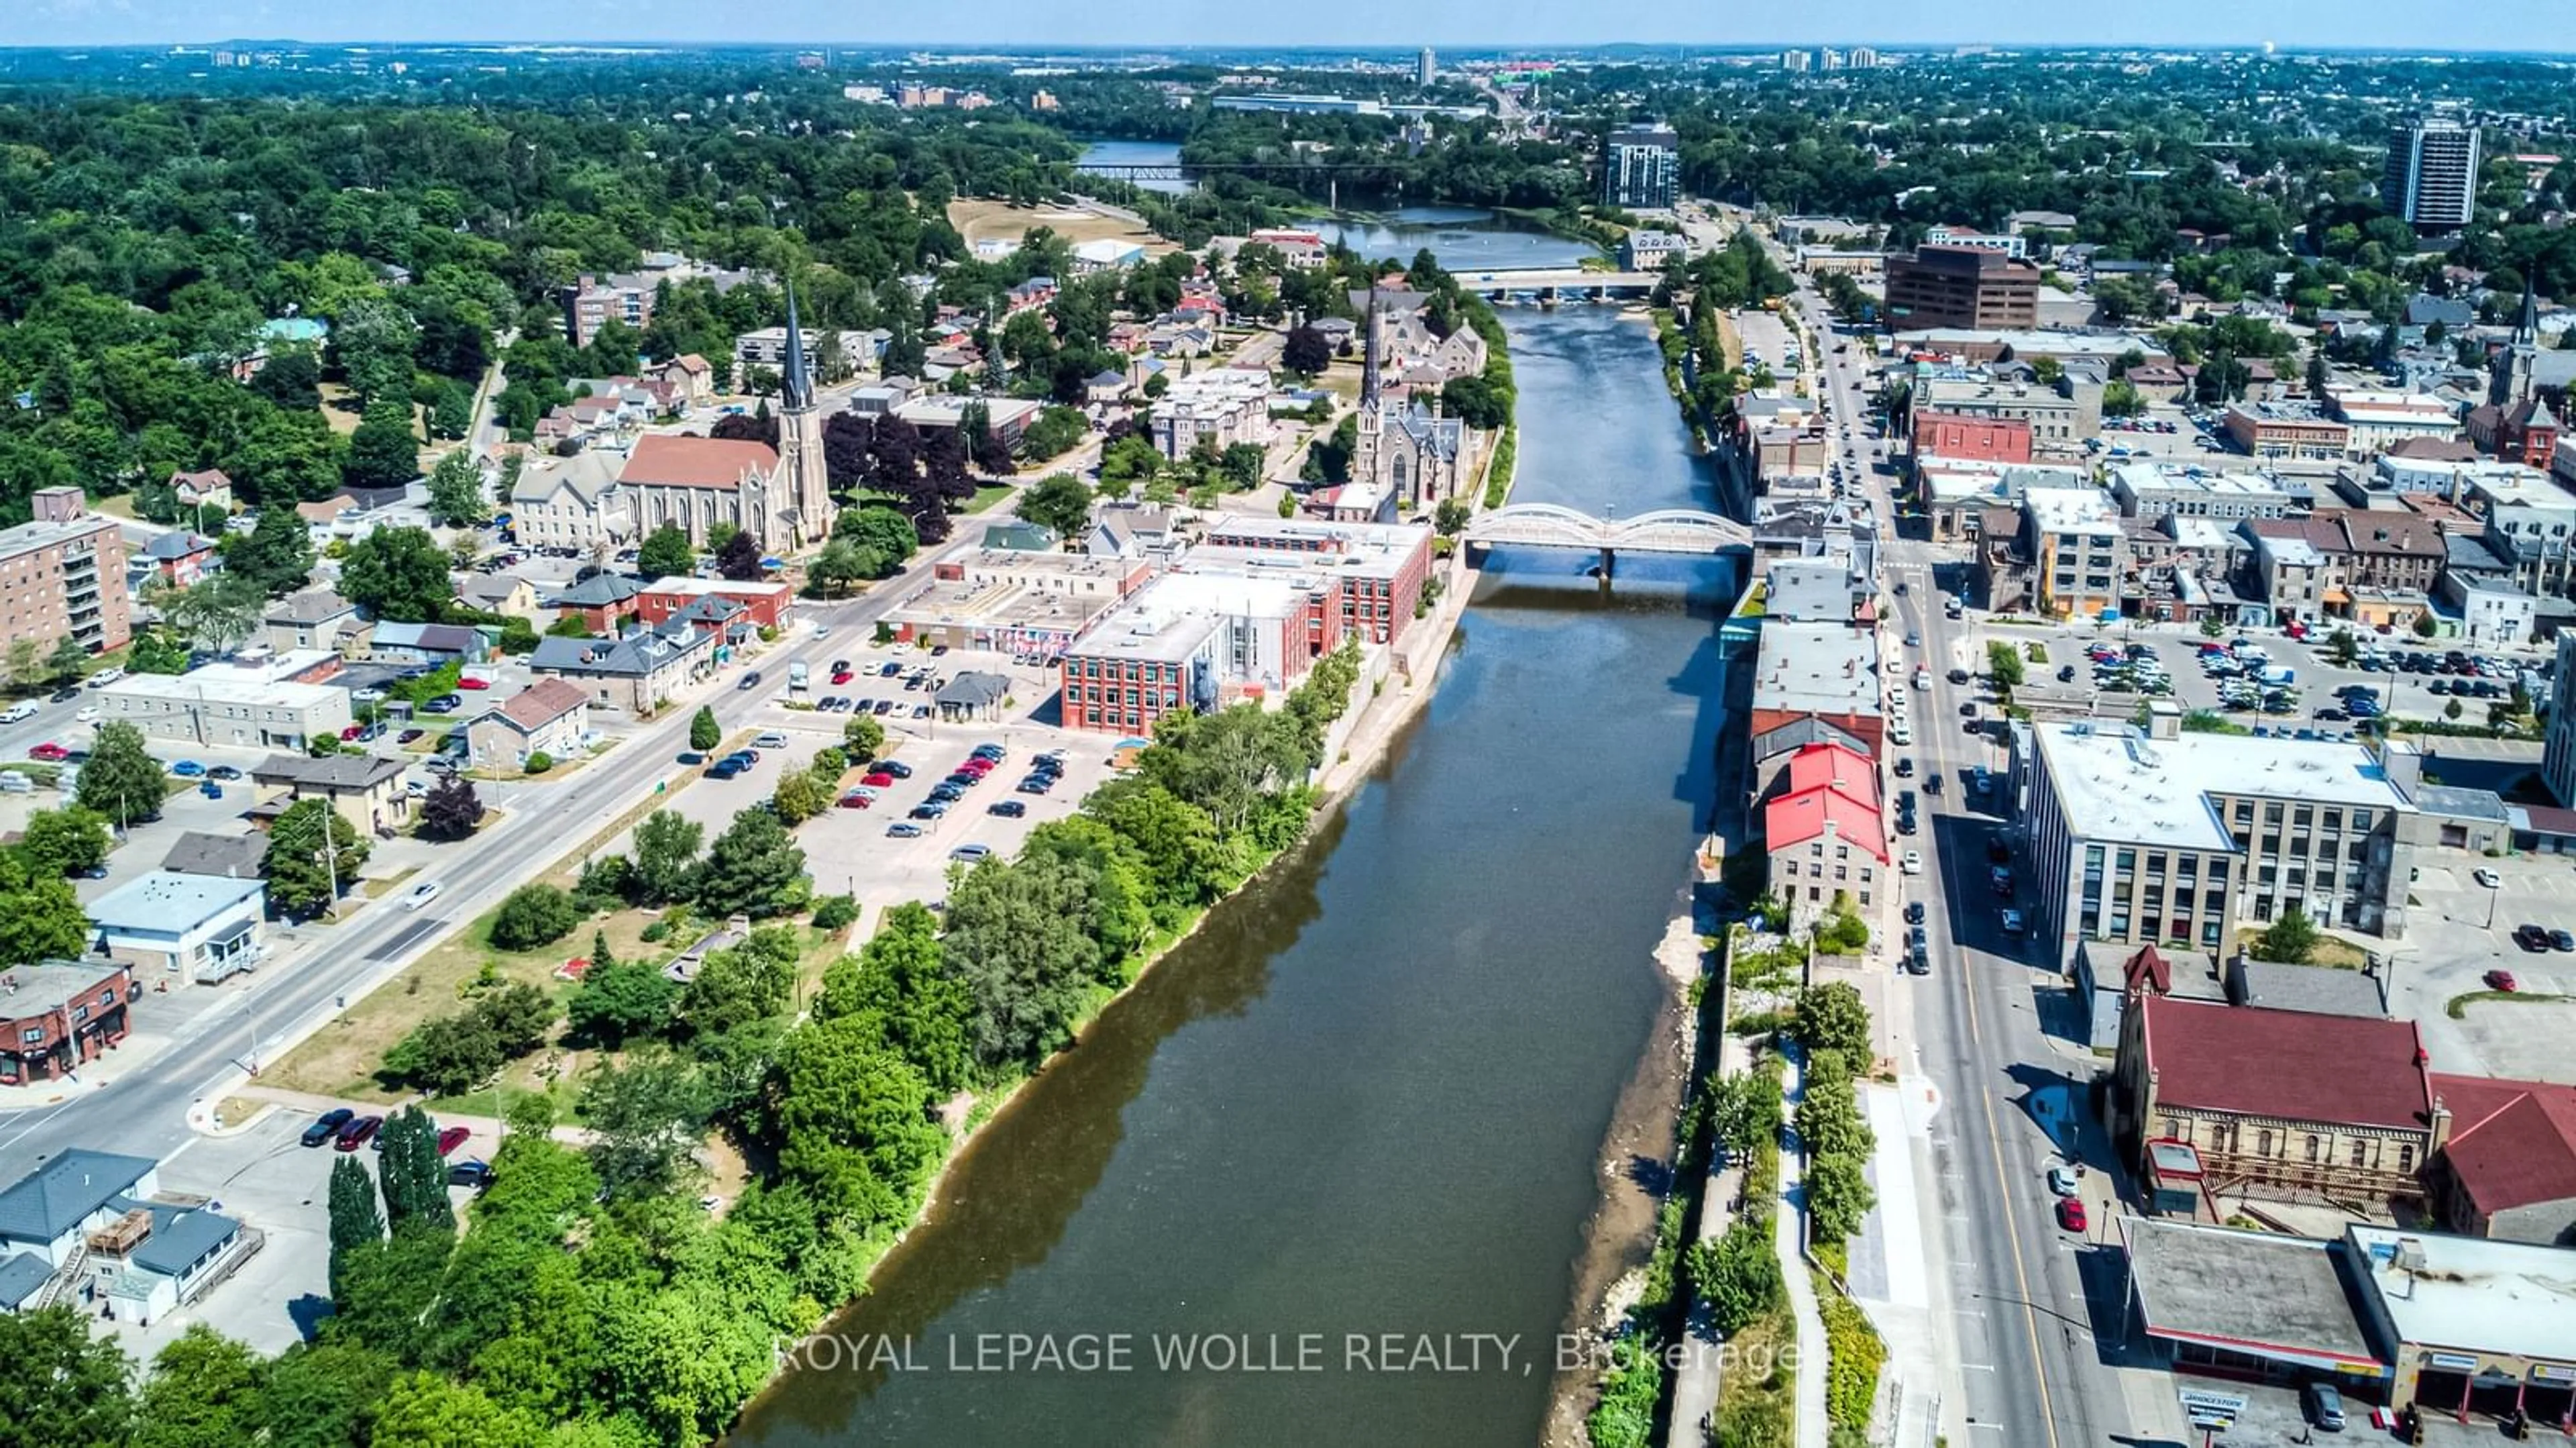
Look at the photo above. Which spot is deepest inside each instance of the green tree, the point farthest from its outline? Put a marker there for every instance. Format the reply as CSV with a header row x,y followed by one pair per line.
x,y
410,1173
451,810
750,868
1745,1111
704,732
1449,519
739,559
620,1000
65,1385
384,451
882,533
647,1114
314,853
899,981
426,1411
841,565
1739,1275
1018,938
749,983
204,1392
58,842
65,663
398,574
799,797
277,553
534,915
121,781
2290,939
356,1221
666,553
2342,648
217,612
1832,1017
40,918
2003,663
456,494
321,1395
1058,502
1838,1197
2424,626
852,1120
446,1055
666,857
864,736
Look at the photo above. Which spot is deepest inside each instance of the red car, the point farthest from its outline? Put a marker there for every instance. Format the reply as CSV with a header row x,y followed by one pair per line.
x,y
976,767
452,1138
840,676
2503,980
2070,1213
353,731
49,752
878,780
856,800
359,1132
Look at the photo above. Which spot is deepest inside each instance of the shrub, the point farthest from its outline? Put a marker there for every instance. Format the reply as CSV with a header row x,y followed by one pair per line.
x,y
534,915
1854,1356
539,761
836,912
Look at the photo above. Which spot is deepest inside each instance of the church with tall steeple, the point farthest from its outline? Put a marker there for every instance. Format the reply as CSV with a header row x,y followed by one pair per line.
x,y
1417,456
780,496
2516,424
803,490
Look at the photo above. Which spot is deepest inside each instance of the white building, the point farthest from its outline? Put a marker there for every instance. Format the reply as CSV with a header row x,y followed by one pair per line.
x,y
2381,420
2158,490
572,502
201,928
1222,406
226,707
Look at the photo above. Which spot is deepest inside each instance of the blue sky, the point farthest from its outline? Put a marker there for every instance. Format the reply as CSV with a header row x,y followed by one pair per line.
x,y
2290,23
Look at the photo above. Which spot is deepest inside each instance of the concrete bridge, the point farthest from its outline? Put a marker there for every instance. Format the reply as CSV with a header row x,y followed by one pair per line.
x,y
1666,530
1552,282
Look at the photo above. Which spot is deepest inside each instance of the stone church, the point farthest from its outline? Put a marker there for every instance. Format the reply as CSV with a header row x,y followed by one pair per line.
x,y
2516,425
777,495
1404,446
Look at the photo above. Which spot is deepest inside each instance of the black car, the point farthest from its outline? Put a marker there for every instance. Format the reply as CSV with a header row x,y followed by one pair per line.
x,y
1036,784
1914,912
475,1174
931,811
749,682
895,767
2066,675
223,772
2562,940
1009,809
65,696
327,1125
1997,851
692,758
2531,938
1905,768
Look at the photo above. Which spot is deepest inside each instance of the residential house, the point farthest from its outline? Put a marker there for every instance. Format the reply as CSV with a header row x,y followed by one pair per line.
x,y
317,618
201,928
638,673
506,594
181,558
690,378
432,644
234,857
603,601
367,789
209,488
49,1212
550,717
57,1014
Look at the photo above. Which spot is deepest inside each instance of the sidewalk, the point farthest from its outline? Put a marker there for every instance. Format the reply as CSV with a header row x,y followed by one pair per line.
x,y
1789,1235
1695,1386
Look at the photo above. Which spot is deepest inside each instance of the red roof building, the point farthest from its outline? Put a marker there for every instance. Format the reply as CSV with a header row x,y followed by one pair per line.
x,y
1976,439
2508,1166
1826,833
2278,1103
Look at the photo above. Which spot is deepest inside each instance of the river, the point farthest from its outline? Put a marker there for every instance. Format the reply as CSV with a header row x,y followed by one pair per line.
x,y
1371,1094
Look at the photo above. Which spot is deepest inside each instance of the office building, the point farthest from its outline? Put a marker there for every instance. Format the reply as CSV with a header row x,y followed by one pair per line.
x,y
1425,67
1797,61
2432,176
2137,837
1641,168
1961,287
63,576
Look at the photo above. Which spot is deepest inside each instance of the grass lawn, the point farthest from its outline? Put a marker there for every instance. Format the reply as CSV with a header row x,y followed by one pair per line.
x,y
2459,1004
2035,651
2332,953
1765,1342
987,494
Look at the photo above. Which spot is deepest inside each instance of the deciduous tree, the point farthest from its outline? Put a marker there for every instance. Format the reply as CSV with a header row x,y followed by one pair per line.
x,y
666,857
399,574
534,915
451,810
1059,502
666,553
121,781
750,868
313,853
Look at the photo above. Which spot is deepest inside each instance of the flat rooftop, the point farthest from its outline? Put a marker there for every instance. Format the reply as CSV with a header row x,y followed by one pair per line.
x,y
999,603
2472,1292
216,685
1816,668
27,537
2070,510
2025,342
2277,1295
2114,783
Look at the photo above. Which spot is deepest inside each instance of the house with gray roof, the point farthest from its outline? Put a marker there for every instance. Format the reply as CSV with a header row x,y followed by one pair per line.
x,y
203,928
197,852
639,672
432,644
367,789
49,1210
316,618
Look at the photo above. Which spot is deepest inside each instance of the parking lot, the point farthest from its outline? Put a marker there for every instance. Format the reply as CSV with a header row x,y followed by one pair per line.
x,y
268,1180
848,850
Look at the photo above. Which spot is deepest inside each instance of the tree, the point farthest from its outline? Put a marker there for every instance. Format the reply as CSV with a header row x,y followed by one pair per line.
x,y
740,559
413,1178
277,552
750,868
1745,1111
59,842
121,781
384,452
647,1116
852,1120
290,379
799,797
666,553
534,915
451,810
426,1411
704,732
314,853
217,612
666,857
64,1384
1059,503
2424,626
619,1000
398,574
64,664
1838,1196
2343,648
1450,518
205,1391
2120,398
456,494
2003,663
40,918
1739,1275
1305,351
1832,1017
749,983
356,1222
838,567
864,736
882,532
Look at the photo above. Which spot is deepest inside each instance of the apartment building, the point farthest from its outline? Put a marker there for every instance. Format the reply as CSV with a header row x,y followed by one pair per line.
x,y
2139,837
62,576
2077,550
1641,168
2431,178
2297,430
2380,420
1965,287
2058,422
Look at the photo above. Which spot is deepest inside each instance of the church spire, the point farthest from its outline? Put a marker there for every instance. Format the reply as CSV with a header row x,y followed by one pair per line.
x,y
2526,323
1368,362
796,384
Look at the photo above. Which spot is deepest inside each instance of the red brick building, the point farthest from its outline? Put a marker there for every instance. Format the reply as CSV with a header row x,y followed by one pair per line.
x,y
1975,439
1379,568
57,1015
766,604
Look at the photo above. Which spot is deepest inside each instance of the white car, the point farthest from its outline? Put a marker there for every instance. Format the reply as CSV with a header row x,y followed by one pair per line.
x,y
1900,733
88,714
2487,877
105,677
421,895
1914,862
18,713
368,696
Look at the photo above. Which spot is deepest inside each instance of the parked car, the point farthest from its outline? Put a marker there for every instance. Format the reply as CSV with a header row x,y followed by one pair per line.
x,y
2070,1213
2562,941
724,769
858,799
49,752
358,1132
934,809
2502,980
1914,912
450,1138
903,830
970,854
1009,809
2061,1180
2324,1406
476,1174
2487,877
327,1125
1913,863
895,767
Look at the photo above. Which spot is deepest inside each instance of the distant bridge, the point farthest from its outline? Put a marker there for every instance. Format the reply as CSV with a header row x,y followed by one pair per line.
x,y
1550,282
1666,530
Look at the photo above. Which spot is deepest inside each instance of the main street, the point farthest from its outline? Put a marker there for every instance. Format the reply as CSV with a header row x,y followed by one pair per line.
x,y
2025,1298
146,1113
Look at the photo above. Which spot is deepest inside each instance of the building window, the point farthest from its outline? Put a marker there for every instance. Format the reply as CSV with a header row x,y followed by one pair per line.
x,y
2263,1142
2360,1152
2405,1157
2315,1149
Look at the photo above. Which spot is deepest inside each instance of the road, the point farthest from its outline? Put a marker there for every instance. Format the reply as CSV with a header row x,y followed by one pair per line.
x,y
145,1113
2030,1376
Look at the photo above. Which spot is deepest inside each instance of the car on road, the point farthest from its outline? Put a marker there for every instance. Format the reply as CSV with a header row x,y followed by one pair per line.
x,y
188,769
1905,767
1913,640
2531,937
421,894
63,696
223,772
49,752
2061,1180
358,1132
903,830
2562,941
749,682
105,677
2502,980
1914,912
327,1125
2070,1213
2487,877
1009,809
970,854
1913,863
450,1138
